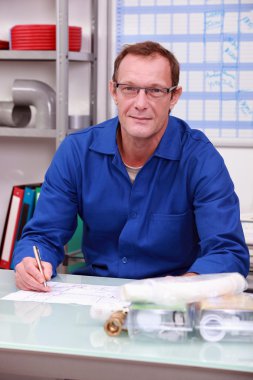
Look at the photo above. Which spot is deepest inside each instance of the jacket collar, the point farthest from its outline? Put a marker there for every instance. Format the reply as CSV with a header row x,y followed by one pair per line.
x,y
105,137
169,147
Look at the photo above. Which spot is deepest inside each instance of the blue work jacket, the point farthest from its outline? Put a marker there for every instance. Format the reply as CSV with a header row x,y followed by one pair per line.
x,y
181,213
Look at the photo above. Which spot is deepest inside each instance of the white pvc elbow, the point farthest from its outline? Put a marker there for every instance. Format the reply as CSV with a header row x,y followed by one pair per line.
x,y
12,115
41,96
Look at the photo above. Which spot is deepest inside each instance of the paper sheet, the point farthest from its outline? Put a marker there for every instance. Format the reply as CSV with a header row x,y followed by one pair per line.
x,y
69,293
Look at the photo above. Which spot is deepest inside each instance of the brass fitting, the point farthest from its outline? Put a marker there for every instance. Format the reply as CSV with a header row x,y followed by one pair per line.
x,y
114,324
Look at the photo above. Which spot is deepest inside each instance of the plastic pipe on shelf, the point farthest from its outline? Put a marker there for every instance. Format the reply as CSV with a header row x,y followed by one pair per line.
x,y
41,96
12,115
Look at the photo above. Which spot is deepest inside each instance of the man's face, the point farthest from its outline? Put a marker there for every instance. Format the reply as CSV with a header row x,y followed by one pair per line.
x,y
140,116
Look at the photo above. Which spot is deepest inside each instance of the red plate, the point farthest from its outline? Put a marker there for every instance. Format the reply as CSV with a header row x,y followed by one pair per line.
x,y
20,28
33,47
42,37
42,46
32,32
32,40
34,26
4,44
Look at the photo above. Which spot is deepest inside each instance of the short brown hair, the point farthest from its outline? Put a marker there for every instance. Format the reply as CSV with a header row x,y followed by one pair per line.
x,y
146,49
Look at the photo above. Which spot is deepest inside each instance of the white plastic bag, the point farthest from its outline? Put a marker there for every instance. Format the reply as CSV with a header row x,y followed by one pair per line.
x,y
172,290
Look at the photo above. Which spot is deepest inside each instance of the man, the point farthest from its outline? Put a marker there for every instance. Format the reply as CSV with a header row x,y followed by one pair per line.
x,y
155,196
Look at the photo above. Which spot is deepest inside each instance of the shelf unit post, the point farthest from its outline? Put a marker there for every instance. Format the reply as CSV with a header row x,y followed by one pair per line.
x,y
94,49
62,63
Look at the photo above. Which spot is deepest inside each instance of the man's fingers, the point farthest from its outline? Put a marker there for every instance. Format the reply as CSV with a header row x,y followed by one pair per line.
x,y
28,276
28,282
47,268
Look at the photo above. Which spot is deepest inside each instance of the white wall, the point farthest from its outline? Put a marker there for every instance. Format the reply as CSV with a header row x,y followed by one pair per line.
x,y
240,165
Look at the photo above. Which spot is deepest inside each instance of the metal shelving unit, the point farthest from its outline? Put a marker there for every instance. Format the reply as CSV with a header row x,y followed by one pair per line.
x,y
42,55
27,132
62,57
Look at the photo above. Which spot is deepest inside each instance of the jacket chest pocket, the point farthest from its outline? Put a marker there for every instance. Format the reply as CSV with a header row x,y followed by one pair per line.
x,y
173,233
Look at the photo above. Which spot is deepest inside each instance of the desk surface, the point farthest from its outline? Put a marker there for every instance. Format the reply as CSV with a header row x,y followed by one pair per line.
x,y
62,341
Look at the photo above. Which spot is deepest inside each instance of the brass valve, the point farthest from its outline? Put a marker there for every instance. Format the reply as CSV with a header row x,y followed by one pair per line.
x,y
114,324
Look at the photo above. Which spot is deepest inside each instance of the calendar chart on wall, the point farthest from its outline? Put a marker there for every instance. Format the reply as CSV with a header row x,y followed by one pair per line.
x,y
213,41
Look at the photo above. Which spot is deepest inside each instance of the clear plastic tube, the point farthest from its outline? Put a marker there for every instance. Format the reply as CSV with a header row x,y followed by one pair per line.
x,y
173,290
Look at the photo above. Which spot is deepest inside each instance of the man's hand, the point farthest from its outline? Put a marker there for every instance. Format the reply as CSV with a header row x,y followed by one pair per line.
x,y
190,274
28,276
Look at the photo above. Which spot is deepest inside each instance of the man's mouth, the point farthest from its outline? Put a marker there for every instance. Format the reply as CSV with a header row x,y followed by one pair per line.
x,y
140,118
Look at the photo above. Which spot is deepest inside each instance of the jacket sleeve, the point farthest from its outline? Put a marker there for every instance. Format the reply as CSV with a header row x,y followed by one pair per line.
x,y
222,245
55,217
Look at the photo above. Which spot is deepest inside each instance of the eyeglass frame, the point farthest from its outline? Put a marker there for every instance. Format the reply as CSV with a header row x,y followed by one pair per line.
x,y
163,90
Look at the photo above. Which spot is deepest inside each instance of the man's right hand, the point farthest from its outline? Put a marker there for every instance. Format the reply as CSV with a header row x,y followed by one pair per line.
x,y
28,276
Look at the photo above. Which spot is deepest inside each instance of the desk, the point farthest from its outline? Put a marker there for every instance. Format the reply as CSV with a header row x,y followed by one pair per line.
x,y
57,341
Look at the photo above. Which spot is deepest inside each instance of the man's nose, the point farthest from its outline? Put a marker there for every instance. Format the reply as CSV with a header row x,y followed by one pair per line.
x,y
141,100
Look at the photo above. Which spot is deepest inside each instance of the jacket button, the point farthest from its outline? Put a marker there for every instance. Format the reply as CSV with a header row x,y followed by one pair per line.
x,y
124,260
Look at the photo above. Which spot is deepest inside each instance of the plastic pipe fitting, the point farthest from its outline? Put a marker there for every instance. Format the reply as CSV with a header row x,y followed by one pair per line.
x,y
41,96
12,115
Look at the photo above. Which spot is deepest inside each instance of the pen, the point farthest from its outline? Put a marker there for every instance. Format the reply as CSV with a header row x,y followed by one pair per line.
x,y
38,259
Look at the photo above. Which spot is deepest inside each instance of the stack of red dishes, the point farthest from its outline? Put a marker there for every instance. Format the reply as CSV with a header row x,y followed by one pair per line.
x,y
4,45
42,37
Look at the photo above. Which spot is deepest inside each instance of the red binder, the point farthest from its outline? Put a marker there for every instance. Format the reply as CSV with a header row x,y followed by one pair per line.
x,y
11,228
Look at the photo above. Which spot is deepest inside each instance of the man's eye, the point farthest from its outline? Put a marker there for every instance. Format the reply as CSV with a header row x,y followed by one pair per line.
x,y
129,89
155,90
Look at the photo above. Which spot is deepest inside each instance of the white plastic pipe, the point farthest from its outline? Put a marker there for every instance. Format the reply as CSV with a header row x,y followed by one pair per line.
x,y
12,115
41,96
171,290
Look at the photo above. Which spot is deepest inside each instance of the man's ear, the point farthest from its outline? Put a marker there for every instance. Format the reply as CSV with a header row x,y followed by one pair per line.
x,y
175,97
113,92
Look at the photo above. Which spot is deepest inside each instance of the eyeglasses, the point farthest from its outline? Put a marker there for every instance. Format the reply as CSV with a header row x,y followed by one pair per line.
x,y
151,92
